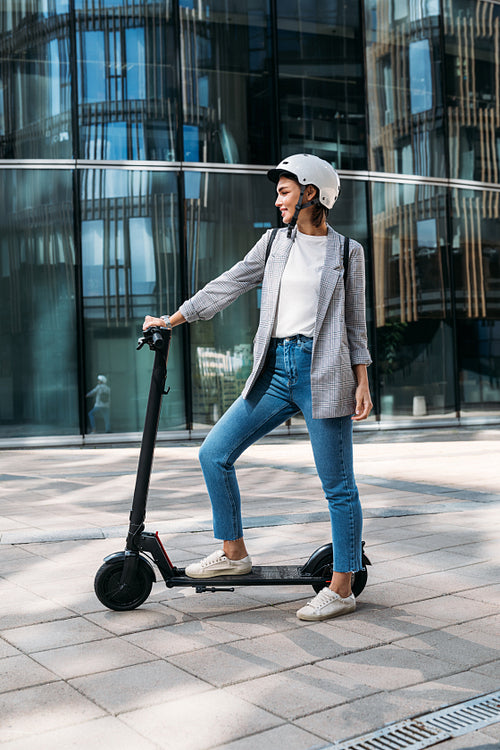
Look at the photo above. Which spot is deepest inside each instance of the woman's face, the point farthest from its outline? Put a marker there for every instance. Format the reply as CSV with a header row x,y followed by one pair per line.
x,y
288,196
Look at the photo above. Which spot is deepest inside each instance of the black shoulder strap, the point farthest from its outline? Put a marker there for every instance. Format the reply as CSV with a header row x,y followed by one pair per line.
x,y
346,257
270,243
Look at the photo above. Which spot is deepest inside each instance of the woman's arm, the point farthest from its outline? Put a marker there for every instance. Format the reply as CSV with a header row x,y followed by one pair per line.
x,y
175,320
220,292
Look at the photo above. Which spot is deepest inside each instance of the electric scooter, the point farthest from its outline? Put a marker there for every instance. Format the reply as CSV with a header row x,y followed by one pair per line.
x,y
125,579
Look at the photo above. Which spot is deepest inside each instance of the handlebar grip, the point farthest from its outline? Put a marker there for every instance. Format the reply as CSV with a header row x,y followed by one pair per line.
x,y
157,340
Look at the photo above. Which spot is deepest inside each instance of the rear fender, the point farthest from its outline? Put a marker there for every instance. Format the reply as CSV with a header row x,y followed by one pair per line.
x,y
323,555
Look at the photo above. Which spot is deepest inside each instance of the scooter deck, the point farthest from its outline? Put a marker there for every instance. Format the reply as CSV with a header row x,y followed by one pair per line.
x,y
268,575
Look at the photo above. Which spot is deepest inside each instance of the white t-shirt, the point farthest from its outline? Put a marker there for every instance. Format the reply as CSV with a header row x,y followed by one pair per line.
x,y
299,289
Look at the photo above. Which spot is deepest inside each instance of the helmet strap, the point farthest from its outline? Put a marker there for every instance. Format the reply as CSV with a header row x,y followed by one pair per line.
x,y
299,208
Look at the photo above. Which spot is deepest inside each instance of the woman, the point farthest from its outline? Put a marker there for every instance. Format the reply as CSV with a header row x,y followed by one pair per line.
x,y
310,355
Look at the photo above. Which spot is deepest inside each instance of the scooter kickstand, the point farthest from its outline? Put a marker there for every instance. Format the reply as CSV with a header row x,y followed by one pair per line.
x,y
212,589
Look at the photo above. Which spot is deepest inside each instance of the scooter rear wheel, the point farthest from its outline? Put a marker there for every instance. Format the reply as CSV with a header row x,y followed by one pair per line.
x,y
324,570
108,590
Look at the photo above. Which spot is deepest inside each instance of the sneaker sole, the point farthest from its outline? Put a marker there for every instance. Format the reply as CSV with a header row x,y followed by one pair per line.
x,y
319,618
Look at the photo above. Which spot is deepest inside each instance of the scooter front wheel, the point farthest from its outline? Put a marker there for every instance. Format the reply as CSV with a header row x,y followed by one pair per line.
x,y
122,598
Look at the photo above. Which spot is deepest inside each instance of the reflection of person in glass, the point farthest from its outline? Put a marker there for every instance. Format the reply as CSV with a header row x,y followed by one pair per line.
x,y
310,356
102,393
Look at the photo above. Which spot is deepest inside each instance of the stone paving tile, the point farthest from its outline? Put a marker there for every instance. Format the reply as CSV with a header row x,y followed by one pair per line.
x,y
446,582
212,719
287,736
489,594
88,658
358,717
149,616
21,608
393,593
388,667
211,604
301,691
18,672
256,622
493,730
48,635
7,650
464,649
432,695
388,625
178,639
108,732
452,608
418,565
34,710
492,669
139,686
256,657
479,740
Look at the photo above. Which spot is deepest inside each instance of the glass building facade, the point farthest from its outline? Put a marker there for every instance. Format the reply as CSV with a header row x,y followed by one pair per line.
x,y
134,140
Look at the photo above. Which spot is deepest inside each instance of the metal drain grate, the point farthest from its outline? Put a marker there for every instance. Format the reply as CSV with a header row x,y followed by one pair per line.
x,y
429,729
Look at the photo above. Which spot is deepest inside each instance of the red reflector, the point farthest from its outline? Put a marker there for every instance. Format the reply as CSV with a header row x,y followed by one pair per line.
x,y
163,548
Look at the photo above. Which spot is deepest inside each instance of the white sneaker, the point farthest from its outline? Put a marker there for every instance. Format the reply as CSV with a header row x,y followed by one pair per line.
x,y
217,564
326,604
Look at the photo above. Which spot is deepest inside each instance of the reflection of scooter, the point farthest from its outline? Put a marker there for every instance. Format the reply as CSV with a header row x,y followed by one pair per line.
x,y
125,579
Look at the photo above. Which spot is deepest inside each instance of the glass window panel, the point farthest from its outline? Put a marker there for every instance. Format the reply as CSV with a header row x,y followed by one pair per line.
x,y
471,37
130,252
127,68
476,266
226,82
35,93
225,215
38,368
321,86
405,101
420,76
412,301
136,63
93,76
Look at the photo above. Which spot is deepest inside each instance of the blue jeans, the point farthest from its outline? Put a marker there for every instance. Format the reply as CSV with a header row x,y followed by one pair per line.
x,y
282,390
101,412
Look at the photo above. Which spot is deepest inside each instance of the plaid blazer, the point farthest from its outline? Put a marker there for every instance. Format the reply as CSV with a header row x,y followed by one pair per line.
x,y
340,339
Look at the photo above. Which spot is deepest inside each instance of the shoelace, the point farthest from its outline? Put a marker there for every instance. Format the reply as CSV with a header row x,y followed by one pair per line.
x,y
321,599
216,556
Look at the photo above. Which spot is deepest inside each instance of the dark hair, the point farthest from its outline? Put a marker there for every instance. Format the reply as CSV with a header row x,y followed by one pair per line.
x,y
319,214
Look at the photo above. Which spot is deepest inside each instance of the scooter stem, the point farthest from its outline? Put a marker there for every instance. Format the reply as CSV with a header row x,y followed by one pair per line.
x,y
156,391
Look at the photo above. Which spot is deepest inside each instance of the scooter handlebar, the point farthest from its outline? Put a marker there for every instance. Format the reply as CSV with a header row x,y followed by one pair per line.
x,y
154,337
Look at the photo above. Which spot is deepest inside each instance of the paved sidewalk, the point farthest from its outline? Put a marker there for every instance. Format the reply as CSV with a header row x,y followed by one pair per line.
x,y
238,671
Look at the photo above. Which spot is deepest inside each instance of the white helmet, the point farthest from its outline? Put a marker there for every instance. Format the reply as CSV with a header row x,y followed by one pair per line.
x,y
310,170
102,379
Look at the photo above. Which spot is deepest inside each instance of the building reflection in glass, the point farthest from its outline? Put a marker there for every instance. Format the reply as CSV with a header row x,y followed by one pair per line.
x,y
476,267
321,81
226,81
38,367
405,80
35,82
472,42
130,268
236,85
127,95
412,300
